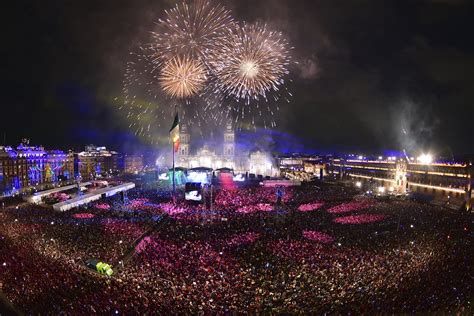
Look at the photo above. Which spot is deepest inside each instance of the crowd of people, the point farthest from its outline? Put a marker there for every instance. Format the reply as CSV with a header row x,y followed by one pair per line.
x,y
316,249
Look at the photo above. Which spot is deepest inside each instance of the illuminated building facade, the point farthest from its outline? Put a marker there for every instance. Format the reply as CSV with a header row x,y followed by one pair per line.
x,y
21,167
59,166
301,167
26,166
291,163
95,162
257,162
448,181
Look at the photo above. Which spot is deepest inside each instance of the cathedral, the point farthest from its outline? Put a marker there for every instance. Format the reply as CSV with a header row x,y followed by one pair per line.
x,y
240,161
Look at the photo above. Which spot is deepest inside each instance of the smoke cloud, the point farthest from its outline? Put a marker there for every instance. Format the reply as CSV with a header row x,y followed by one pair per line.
x,y
309,68
414,125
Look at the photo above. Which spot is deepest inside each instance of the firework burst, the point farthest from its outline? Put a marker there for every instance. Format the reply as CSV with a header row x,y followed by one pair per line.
x,y
197,30
182,77
253,63
203,64
147,107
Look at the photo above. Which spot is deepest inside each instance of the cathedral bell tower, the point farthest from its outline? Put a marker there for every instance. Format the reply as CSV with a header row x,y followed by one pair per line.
x,y
229,140
184,141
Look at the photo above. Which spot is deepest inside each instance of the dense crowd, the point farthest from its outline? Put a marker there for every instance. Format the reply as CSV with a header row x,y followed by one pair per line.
x,y
317,249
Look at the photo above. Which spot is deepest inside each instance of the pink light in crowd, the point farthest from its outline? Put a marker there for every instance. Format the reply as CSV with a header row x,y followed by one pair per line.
x,y
173,209
350,207
142,245
310,206
243,197
318,236
360,219
138,203
260,207
103,206
227,181
243,239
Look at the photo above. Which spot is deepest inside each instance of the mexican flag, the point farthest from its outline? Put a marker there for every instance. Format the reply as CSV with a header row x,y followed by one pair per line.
x,y
174,133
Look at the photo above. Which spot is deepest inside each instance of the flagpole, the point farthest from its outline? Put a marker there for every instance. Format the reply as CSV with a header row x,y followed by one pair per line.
x,y
174,146
174,180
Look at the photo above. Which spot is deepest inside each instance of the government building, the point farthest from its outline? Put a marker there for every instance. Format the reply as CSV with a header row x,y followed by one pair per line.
x,y
27,166
447,183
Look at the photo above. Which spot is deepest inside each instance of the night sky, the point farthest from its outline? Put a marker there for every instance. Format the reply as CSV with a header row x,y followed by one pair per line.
x,y
371,75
